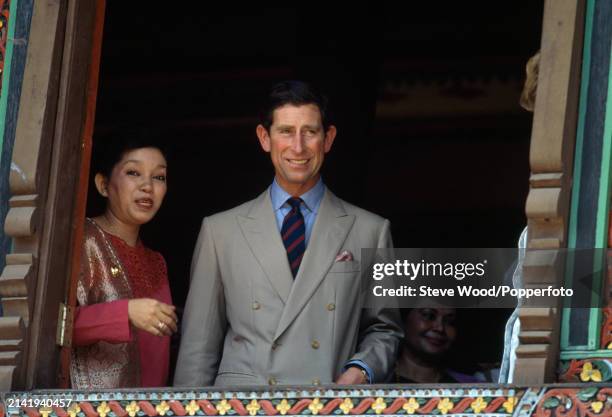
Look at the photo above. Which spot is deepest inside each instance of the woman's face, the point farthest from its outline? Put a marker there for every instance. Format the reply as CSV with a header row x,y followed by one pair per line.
x,y
430,331
136,187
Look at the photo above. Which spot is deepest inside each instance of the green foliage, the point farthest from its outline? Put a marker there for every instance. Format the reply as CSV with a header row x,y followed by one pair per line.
x,y
552,402
587,393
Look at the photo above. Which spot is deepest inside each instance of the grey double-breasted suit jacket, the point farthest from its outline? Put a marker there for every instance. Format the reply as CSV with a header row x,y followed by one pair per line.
x,y
248,322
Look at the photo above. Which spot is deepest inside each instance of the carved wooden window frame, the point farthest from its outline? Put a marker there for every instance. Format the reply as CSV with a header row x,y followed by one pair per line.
x,y
52,145
551,160
53,141
589,225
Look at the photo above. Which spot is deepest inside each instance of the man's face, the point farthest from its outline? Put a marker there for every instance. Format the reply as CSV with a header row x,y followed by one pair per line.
x,y
297,143
430,332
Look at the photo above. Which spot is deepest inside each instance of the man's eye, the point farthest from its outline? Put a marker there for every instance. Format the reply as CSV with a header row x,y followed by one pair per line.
x,y
285,131
160,178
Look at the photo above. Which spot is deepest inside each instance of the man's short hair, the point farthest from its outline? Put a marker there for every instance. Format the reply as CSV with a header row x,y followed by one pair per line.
x,y
296,93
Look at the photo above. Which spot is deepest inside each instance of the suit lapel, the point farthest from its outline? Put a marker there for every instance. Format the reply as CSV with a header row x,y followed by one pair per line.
x,y
329,233
261,233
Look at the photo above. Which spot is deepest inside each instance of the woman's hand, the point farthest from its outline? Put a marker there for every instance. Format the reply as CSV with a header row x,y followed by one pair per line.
x,y
152,316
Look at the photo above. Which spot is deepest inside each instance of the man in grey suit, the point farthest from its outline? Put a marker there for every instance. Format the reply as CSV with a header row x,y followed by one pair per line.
x,y
275,294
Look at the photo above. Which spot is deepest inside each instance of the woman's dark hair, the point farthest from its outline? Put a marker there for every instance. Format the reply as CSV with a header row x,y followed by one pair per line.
x,y
111,146
296,93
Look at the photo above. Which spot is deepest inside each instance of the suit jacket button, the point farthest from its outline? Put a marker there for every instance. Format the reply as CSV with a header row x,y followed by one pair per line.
x,y
272,381
275,345
315,344
316,381
256,306
331,307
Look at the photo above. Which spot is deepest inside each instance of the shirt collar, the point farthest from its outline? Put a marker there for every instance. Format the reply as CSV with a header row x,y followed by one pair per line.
x,y
312,198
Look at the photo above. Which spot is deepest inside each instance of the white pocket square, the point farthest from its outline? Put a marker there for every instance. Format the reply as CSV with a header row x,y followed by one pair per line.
x,y
344,256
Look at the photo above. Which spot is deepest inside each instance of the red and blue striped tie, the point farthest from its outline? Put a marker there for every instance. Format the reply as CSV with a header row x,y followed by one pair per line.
x,y
293,233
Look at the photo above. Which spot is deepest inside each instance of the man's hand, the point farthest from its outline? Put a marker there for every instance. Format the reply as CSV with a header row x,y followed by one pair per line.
x,y
152,316
352,376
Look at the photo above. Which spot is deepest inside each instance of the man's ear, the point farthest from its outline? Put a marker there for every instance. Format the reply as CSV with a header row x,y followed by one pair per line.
x,y
101,184
264,137
330,135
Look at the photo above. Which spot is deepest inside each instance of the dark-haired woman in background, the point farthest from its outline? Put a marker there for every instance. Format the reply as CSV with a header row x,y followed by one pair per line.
x,y
429,337
125,315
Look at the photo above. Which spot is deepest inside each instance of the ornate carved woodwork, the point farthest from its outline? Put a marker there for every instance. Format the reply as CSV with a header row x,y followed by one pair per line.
x,y
45,162
606,327
568,401
551,155
4,22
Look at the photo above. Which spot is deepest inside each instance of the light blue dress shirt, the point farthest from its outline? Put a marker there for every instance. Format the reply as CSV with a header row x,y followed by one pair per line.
x,y
311,201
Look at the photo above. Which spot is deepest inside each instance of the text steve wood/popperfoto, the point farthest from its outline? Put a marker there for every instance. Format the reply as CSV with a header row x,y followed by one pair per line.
x,y
470,291
413,270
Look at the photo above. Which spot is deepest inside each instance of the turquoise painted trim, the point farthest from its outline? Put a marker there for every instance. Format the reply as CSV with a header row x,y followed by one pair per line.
x,y
585,354
595,317
573,223
603,207
565,313
584,90
6,76
605,180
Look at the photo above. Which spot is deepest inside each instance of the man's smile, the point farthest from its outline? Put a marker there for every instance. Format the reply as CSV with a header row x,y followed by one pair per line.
x,y
297,142
298,161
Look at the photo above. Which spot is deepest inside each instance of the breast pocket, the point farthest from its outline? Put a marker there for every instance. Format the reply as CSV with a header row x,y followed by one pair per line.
x,y
345,267
345,279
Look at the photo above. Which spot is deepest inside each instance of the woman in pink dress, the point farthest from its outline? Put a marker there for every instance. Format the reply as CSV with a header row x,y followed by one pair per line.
x,y
125,315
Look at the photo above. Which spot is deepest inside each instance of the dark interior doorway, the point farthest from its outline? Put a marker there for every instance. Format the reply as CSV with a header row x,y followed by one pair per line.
x,y
431,135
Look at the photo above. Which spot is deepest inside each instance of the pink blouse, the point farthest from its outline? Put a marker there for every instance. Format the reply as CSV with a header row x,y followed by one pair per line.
x,y
148,277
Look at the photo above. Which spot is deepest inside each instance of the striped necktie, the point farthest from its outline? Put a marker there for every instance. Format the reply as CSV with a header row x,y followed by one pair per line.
x,y
293,233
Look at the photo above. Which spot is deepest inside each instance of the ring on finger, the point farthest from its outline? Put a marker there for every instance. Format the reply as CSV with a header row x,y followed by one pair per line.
x,y
161,325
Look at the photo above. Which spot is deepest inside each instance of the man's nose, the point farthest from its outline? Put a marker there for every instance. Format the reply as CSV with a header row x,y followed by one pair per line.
x,y
298,144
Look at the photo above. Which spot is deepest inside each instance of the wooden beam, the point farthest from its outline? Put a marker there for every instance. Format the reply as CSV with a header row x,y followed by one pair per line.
x,y
78,218
551,157
72,130
29,172
52,145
